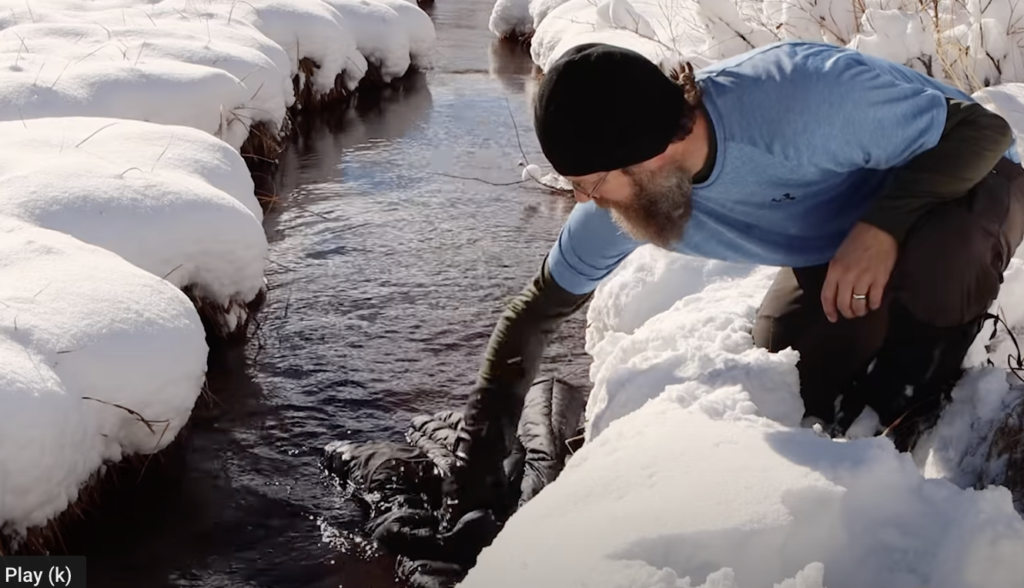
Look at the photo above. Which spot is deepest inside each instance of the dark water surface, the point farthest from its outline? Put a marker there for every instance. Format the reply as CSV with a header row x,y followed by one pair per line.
x,y
387,277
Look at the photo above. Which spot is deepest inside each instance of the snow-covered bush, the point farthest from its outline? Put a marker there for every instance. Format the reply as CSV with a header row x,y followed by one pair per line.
x,y
970,43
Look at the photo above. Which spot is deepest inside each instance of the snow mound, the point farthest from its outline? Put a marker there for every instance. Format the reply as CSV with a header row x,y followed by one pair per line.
x,y
696,472
218,66
162,65
511,19
83,330
172,200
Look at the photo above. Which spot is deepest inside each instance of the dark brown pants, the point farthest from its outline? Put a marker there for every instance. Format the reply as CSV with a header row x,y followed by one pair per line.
x,y
948,272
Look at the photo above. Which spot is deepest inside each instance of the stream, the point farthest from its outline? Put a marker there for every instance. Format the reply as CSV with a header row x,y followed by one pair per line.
x,y
387,275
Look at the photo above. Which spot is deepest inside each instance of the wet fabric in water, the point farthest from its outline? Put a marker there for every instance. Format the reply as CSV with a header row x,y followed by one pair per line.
x,y
401,482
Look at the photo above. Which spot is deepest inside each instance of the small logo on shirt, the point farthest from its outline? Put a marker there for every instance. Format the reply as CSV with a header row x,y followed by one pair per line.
x,y
785,197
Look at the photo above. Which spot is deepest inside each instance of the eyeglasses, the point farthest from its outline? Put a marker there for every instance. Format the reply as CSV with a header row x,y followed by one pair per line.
x,y
576,187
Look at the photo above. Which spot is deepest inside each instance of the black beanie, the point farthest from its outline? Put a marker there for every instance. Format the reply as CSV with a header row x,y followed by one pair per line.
x,y
602,107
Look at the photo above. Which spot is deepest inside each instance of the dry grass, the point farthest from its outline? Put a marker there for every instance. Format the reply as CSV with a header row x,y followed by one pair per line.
x,y
211,313
263,147
332,109
522,39
307,100
261,151
1005,459
66,533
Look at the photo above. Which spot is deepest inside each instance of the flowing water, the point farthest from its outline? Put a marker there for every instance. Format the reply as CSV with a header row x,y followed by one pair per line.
x,y
387,277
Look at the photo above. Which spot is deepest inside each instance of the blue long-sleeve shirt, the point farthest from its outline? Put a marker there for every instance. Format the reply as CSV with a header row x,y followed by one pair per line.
x,y
807,136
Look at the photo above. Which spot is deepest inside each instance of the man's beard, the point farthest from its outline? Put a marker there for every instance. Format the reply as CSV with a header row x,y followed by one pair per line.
x,y
659,209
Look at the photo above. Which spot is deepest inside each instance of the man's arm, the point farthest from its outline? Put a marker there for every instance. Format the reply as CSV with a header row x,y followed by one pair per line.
x,y
511,362
588,248
514,354
973,140
518,342
853,115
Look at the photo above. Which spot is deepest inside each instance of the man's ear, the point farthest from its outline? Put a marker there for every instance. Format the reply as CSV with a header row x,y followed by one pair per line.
x,y
653,164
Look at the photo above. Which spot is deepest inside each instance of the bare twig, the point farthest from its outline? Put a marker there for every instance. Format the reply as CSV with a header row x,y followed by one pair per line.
x,y
167,425
20,47
162,154
57,79
93,134
252,71
141,418
516,127
478,179
109,34
253,97
277,263
141,49
236,2
149,17
89,54
313,212
173,270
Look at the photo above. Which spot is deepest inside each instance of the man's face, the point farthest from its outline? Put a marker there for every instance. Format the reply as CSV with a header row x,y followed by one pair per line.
x,y
651,205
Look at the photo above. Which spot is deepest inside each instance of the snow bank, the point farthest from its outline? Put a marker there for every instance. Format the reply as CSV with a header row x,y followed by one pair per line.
x,y
968,43
696,472
130,213
83,330
172,200
217,66
106,222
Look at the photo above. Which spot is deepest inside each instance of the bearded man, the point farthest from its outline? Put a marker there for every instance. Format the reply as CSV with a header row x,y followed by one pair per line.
x,y
891,202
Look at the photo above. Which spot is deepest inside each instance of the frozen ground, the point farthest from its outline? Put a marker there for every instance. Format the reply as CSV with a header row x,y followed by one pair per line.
x,y
124,187
696,472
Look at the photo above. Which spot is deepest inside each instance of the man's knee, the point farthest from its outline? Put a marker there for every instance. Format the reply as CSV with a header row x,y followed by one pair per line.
x,y
789,308
951,266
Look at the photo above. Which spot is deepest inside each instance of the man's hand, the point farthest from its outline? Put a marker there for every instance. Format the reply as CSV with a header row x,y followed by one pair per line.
x,y
478,479
861,267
